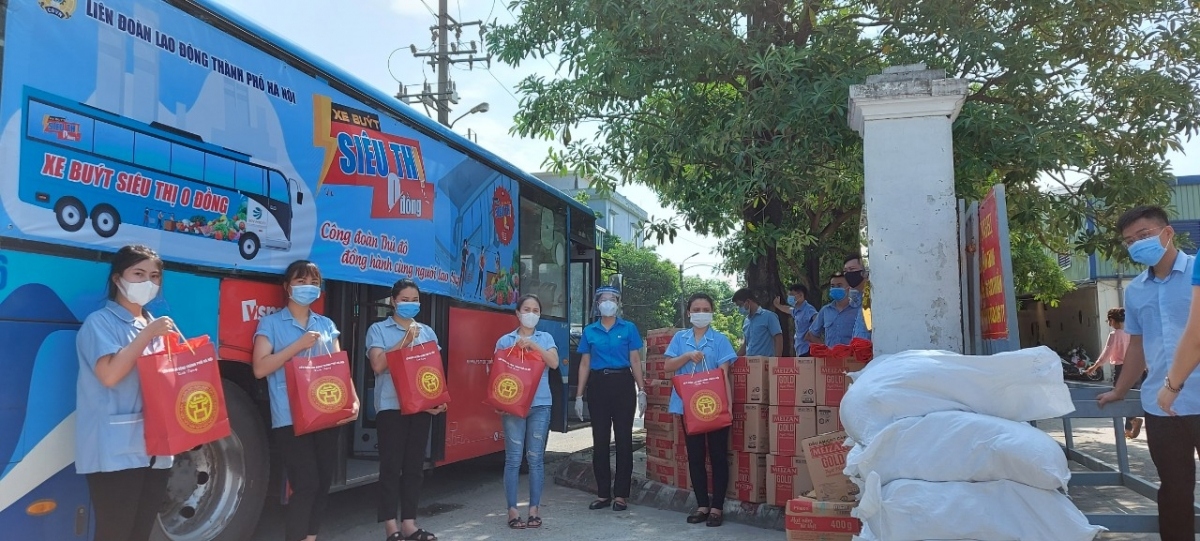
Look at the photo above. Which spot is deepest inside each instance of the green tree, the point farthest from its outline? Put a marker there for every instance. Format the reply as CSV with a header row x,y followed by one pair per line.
x,y
649,287
734,111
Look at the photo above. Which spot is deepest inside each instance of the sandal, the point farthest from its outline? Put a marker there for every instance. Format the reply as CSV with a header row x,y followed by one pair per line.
x,y
516,523
421,535
534,522
620,506
395,537
697,517
715,519
600,504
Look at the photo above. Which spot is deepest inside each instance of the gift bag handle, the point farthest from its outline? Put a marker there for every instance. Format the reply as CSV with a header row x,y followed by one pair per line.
x,y
321,341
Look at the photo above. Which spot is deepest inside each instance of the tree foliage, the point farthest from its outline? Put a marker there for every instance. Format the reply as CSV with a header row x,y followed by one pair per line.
x,y
726,318
650,284
734,111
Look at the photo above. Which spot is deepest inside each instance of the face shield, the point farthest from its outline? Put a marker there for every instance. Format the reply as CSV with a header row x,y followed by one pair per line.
x,y
606,302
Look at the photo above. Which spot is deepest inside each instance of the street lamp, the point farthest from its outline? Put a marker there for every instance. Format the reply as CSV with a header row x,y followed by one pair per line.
x,y
481,108
682,300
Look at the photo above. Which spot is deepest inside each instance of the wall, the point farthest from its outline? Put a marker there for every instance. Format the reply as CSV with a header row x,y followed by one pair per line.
x,y
1076,321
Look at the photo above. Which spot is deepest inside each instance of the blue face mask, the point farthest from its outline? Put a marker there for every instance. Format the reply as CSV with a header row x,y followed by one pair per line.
x,y
743,311
791,301
305,295
855,298
837,294
408,310
1148,251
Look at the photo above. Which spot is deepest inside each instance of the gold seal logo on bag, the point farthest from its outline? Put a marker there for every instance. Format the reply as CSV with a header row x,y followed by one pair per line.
x,y
507,388
706,405
196,407
429,383
327,394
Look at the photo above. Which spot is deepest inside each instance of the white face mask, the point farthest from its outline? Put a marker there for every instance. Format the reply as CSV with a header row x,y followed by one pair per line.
x,y
608,308
529,320
140,293
701,320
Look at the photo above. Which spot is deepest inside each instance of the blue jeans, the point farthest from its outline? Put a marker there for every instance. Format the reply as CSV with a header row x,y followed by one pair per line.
x,y
526,437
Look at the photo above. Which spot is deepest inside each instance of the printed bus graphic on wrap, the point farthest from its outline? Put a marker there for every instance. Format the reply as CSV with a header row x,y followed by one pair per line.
x,y
84,162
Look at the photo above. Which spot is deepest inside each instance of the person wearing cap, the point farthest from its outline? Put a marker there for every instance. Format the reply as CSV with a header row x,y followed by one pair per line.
x,y
611,363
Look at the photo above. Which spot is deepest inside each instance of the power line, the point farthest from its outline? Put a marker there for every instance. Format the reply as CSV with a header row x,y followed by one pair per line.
x,y
431,11
502,85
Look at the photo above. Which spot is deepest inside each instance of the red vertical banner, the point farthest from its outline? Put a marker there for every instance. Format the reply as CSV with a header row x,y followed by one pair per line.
x,y
473,428
993,308
241,305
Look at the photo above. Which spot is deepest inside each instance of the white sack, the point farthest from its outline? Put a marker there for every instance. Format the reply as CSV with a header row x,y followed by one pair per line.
x,y
962,446
1023,385
908,510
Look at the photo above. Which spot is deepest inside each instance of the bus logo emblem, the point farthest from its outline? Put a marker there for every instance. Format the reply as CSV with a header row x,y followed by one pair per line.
x,y
63,9
429,383
197,407
326,394
257,213
507,388
63,129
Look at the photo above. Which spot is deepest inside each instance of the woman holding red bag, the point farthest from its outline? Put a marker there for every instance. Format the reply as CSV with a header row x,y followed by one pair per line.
x,y
126,486
402,438
700,349
310,459
527,436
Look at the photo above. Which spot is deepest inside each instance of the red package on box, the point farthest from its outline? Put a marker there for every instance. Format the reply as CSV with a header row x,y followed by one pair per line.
x,y
705,397
515,376
183,397
320,391
863,350
418,377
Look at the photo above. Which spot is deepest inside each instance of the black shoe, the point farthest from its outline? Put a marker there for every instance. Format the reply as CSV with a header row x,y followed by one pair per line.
x,y
600,504
697,518
619,506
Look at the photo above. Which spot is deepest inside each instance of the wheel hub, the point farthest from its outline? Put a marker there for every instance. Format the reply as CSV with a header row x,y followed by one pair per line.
x,y
204,490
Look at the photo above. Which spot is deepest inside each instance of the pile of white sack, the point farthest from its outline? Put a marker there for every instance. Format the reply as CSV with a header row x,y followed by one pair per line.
x,y
942,448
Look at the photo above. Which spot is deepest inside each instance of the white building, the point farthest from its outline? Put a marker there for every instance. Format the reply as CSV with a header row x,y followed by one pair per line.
x,y
616,213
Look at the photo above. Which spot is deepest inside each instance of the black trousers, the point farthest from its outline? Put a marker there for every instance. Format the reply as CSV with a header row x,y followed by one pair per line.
x,y
402,442
310,460
715,447
1173,443
612,401
126,502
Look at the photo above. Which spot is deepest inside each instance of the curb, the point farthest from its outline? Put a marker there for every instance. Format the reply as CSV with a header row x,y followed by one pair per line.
x,y
576,472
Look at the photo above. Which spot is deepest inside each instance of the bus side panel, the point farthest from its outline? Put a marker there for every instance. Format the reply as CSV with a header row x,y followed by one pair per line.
x,y
473,428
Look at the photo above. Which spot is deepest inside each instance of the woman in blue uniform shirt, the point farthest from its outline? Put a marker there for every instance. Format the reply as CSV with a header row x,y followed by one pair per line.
x,y
402,438
611,362
310,459
700,349
527,436
126,486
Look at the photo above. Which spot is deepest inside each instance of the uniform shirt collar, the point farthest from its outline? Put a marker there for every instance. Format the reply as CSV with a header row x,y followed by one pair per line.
x,y
120,311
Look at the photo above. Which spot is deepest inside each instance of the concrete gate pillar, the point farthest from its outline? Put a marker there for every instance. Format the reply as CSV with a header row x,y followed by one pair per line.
x,y
904,117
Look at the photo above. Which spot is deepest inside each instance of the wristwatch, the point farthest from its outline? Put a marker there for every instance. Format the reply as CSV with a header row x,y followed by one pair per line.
x,y
1167,385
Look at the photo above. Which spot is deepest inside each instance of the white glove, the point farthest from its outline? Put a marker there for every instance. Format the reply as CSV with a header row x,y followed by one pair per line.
x,y
641,403
579,407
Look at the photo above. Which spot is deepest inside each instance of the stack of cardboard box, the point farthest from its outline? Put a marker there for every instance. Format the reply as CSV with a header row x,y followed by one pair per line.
x,y
749,441
664,437
792,417
824,513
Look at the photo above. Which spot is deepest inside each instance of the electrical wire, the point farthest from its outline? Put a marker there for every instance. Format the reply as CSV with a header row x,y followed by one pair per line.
x,y
502,85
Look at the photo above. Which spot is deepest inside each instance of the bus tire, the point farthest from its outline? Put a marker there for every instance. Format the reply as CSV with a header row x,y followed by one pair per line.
x,y
248,245
217,491
105,220
70,213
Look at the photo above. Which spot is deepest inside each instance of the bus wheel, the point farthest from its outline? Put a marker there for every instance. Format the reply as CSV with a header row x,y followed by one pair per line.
x,y
105,220
216,491
70,213
248,246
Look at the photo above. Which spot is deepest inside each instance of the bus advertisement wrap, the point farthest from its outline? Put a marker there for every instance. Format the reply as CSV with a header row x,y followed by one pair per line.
x,y
153,127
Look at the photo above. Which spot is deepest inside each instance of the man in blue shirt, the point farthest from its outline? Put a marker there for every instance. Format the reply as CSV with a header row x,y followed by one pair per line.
x,y
1157,305
858,278
834,324
802,312
763,336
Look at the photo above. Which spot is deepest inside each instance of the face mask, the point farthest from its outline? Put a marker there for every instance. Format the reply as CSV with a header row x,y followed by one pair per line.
x,y
855,298
305,295
701,320
529,320
140,293
837,294
1148,251
854,278
408,310
608,308
743,311
791,301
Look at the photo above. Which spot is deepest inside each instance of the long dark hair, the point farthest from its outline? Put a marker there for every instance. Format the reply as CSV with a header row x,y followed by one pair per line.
x,y
126,257
701,297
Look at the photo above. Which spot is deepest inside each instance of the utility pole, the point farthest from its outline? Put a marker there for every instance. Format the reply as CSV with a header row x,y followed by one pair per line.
x,y
448,53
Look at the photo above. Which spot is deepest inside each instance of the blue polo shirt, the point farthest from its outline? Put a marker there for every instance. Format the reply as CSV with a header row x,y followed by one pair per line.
x,y
281,329
803,315
860,326
109,428
1157,310
835,326
760,329
717,351
546,342
383,335
610,348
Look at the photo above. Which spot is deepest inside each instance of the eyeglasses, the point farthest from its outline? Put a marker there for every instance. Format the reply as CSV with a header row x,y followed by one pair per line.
x,y
1142,234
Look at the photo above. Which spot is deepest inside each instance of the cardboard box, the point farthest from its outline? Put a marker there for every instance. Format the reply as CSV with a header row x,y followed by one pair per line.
x,y
787,478
658,420
806,519
666,472
661,446
792,381
826,458
657,340
658,391
749,433
656,367
831,380
749,376
788,426
828,420
747,477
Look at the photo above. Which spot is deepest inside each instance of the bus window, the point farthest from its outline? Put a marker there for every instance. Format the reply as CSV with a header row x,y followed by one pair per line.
x,y
187,162
218,171
114,142
151,152
543,256
60,127
249,178
279,187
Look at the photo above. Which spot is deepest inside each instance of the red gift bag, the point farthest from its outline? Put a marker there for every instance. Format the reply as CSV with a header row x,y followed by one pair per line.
x,y
515,376
418,377
705,398
184,402
320,392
